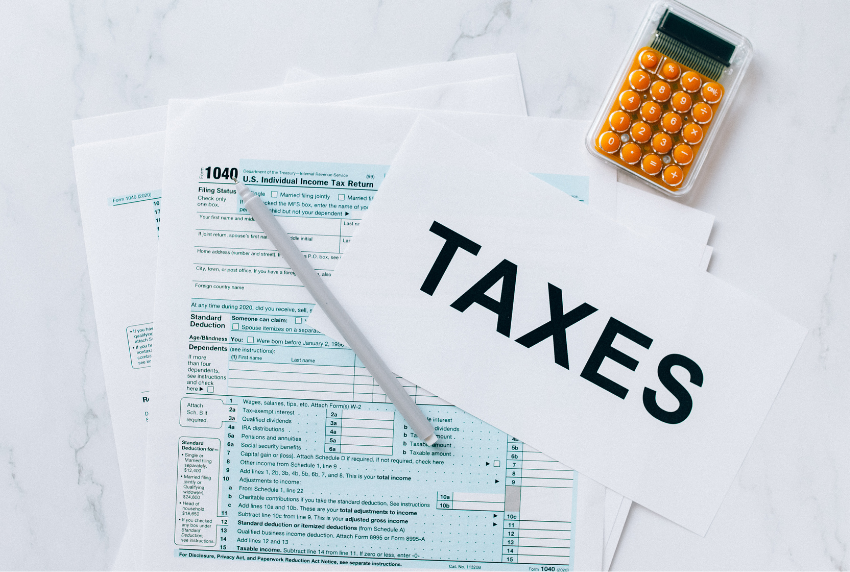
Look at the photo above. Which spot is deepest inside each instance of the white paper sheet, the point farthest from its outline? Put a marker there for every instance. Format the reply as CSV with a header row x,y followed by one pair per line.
x,y
614,528
398,79
706,257
118,185
140,122
649,214
678,460
638,208
476,96
119,125
690,226
193,265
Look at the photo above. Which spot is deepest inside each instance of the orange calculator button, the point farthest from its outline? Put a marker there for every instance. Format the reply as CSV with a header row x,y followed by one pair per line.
x,y
672,175
692,133
660,91
670,70
681,102
641,132
630,153
712,92
639,80
683,154
608,142
629,101
661,143
619,121
651,164
671,122
648,60
702,113
650,111
691,81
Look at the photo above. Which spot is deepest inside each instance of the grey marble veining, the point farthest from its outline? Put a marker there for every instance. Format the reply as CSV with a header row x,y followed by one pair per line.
x,y
777,183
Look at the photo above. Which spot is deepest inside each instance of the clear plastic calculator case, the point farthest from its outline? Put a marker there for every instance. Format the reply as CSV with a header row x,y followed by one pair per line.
x,y
670,97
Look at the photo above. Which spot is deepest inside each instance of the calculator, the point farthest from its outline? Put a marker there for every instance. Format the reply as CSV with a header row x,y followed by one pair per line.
x,y
669,99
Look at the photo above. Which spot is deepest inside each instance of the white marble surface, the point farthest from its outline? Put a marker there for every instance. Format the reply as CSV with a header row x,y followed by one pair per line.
x,y
777,182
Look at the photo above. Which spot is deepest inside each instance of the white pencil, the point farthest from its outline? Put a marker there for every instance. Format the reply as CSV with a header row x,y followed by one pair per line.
x,y
337,314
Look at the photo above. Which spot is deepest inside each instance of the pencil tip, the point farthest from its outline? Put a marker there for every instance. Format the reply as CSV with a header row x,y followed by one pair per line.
x,y
244,192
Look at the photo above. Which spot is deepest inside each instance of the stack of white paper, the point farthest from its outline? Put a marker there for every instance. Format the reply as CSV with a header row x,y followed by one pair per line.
x,y
264,434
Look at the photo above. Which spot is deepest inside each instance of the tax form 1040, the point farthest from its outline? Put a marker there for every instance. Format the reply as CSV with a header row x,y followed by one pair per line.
x,y
286,450
310,456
